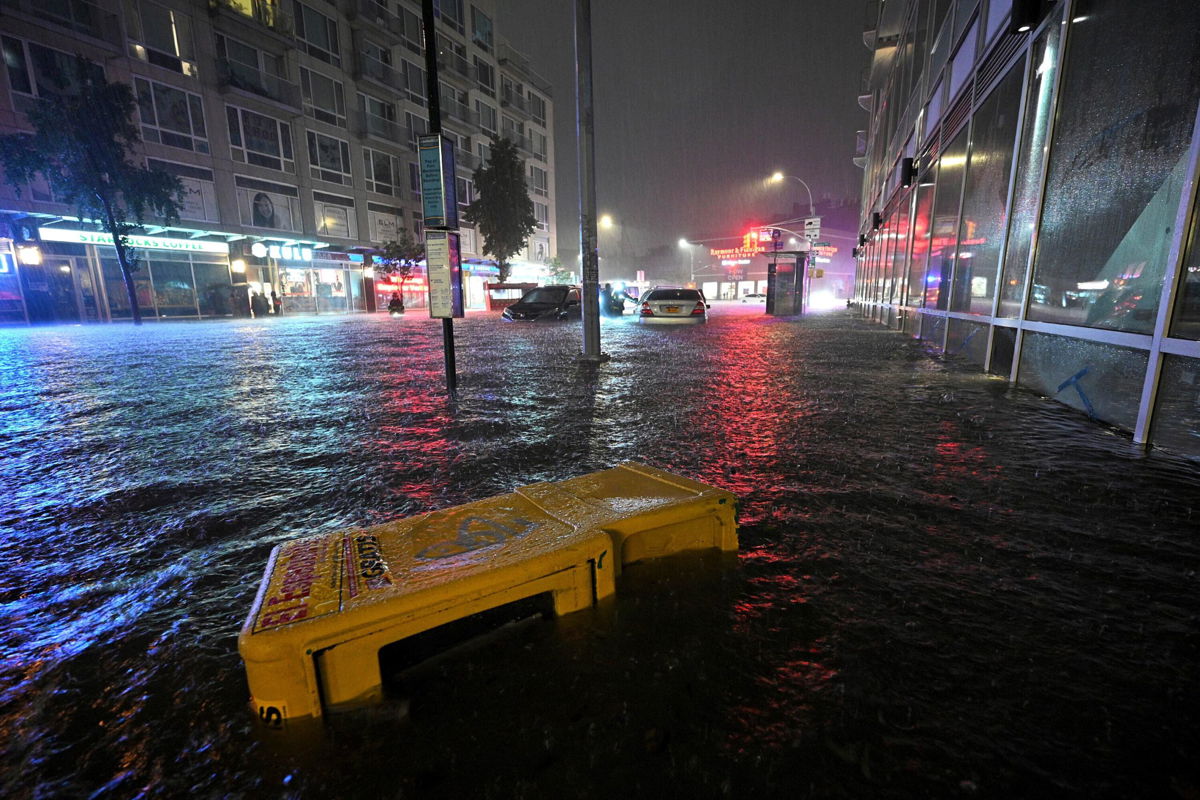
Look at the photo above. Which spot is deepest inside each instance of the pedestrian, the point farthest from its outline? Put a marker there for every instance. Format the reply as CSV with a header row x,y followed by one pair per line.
x,y
258,305
276,303
606,300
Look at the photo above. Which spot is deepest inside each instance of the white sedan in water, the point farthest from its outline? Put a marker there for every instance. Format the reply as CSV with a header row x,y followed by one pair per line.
x,y
673,306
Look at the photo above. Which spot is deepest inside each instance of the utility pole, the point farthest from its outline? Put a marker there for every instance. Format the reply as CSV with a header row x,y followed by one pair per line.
x,y
587,183
432,90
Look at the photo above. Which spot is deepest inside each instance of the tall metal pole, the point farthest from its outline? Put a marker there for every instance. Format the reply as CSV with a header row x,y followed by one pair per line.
x,y
587,182
433,90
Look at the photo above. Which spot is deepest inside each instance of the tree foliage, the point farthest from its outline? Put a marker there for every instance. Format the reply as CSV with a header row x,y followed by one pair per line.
x,y
502,210
399,257
557,273
83,142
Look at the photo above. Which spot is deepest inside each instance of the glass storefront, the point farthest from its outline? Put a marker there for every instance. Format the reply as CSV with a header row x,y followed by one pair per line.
x,y
1117,164
985,198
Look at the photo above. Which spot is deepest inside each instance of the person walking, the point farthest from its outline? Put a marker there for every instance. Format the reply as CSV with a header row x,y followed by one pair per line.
x,y
276,303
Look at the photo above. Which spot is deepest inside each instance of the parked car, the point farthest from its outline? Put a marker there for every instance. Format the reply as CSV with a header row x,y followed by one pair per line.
x,y
754,297
673,306
545,304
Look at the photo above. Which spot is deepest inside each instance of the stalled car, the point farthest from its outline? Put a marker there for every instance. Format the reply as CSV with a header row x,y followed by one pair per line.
x,y
545,304
673,307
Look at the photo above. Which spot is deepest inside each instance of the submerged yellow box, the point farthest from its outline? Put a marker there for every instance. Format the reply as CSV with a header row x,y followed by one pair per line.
x,y
328,604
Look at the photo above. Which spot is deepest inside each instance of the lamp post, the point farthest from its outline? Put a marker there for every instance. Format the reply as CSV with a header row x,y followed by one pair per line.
x,y
684,244
779,177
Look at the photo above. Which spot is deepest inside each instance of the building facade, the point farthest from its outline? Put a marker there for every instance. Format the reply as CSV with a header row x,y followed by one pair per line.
x,y
1029,197
292,126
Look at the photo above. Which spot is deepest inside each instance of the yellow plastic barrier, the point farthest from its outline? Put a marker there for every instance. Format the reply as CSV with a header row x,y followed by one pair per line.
x,y
328,604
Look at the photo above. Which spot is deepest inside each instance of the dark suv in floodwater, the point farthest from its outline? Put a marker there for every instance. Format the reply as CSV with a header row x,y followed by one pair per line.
x,y
545,304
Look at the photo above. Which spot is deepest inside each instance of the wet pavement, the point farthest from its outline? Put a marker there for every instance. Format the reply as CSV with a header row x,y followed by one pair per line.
x,y
946,587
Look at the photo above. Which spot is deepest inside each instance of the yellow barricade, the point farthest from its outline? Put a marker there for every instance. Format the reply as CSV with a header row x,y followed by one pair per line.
x,y
328,604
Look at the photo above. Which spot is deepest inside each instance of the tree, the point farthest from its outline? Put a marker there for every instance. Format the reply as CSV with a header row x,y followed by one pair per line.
x,y
503,210
557,273
398,257
83,141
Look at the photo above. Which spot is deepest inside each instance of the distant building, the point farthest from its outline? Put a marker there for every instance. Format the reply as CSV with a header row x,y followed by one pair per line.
x,y
1030,170
293,126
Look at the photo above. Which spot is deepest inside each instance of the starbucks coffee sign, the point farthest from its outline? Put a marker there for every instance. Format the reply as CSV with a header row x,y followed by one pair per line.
x,y
52,234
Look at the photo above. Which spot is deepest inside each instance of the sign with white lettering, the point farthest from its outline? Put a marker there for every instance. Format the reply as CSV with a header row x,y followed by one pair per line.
x,y
439,202
52,234
444,267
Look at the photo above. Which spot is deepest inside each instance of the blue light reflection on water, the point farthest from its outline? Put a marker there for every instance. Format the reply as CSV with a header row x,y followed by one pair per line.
x,y
911,577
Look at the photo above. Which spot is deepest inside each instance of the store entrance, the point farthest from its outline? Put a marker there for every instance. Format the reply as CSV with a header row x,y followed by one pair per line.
x,y
51,293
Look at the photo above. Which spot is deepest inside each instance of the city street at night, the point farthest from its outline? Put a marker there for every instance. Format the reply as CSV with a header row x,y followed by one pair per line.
x,y
947,586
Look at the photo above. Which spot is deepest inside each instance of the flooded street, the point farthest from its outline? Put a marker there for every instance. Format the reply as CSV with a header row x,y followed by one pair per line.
x,y
946,587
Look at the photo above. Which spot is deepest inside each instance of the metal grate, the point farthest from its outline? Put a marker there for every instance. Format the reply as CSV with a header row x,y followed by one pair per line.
x,y
997,64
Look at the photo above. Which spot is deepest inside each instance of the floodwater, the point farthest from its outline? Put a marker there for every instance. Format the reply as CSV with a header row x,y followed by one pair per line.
x,y
946,588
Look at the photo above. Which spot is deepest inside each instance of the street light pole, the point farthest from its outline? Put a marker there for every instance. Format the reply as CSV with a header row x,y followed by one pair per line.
x,y
587,183
779,176
691,248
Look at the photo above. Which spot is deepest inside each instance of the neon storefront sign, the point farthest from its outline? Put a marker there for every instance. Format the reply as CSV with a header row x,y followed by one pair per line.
x,y
50,234
281,252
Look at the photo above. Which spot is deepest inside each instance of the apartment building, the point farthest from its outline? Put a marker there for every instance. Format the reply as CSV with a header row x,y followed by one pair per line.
x,y
1029,197
293,127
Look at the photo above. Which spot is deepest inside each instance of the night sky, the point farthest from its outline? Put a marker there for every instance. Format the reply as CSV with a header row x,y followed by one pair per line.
x,y
696,101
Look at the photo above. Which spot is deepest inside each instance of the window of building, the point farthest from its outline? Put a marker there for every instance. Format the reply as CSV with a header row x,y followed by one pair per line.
x,y
416,126
335,215
161,36
537,108
1117,165
537,180
963,61
254,70
485,76
541,212
199,189
414,181
945,222
318,35
384,222
511,129
39,71
451,12
481,29
323,97
465,191
171,116
487,116
329,158
382,172
511,92
260,140
483,151
412,35
985,196
539,144
264,204
1026,193
414,81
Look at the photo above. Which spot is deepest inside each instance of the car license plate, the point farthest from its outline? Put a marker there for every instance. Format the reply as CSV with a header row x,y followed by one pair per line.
x,y
672,309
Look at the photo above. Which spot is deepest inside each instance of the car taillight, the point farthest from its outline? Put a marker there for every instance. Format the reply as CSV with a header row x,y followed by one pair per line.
x,y
646,312
699,309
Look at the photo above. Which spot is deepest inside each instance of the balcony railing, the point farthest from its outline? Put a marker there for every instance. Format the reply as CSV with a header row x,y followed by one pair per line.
x,y
380,73
78,16
235,75
512,100
384,129
466,160
265,12
455,109
455,65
